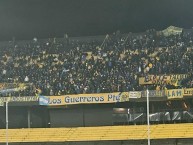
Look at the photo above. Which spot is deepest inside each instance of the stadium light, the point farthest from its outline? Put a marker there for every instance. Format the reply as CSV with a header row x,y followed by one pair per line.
x,y
148,124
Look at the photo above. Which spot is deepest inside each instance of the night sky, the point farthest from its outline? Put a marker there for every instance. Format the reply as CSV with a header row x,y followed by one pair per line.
x,y
26,19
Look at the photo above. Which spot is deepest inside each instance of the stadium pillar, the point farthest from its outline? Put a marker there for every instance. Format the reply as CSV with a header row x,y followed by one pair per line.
x,y
29,118
148,124
6,122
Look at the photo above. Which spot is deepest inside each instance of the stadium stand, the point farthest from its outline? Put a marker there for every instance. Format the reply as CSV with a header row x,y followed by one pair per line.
x,y
137,132
59,67
111,64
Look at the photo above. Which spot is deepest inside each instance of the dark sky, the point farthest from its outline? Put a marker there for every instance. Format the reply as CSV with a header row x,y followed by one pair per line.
x,y
25,19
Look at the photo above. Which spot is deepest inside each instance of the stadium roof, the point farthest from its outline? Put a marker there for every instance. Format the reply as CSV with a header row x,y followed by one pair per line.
x,y
53,18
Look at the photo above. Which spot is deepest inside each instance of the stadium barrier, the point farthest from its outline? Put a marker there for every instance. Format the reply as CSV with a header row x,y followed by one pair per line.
x,y
137,132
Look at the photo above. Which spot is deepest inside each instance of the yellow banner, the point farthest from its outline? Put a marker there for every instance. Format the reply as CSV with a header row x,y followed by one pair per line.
x,y
175,93
13,85
84,98
188,92
160,79
135,94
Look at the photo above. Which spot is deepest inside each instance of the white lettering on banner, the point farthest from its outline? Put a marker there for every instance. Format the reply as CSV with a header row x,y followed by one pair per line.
x,y
19,99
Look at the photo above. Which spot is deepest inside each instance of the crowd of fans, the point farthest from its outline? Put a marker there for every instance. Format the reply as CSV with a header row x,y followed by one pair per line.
x,y
67,66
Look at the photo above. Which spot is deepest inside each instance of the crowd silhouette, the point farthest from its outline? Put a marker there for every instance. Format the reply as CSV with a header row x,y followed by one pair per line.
x,y
114,64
